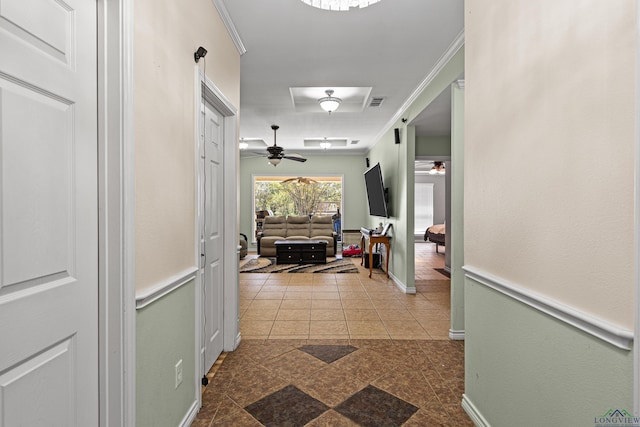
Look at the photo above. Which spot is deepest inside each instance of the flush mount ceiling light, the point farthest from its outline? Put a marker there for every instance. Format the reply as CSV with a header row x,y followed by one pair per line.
x,y
339,5
329,103
325,144
243,144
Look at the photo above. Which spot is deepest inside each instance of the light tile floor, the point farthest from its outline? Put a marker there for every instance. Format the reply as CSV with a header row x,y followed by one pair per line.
x,y
347,305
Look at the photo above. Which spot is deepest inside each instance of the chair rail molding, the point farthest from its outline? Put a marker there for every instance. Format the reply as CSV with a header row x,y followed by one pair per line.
x,y
157,291
606,331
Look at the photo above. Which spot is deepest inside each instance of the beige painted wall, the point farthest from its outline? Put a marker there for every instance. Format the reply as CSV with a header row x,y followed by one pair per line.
x,y
166,35
550,106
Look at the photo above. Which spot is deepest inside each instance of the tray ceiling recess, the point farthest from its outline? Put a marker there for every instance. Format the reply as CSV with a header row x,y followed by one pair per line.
x,y
254,143
305,99
315,142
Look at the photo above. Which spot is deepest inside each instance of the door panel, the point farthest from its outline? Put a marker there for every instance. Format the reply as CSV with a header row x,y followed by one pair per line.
x,y
48,213
35,163
213,218
49,373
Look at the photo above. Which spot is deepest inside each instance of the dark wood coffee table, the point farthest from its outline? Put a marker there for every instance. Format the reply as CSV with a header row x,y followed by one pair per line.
x,y
301,251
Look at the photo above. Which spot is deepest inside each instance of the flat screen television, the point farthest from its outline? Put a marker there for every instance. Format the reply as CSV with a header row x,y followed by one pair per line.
x,y
376,193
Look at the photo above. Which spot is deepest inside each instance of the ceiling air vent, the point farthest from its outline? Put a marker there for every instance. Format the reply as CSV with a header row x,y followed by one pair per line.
x,y
376,101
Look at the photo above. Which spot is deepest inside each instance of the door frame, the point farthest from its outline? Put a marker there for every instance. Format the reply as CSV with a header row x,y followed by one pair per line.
x,y
205,89
636,340
116,262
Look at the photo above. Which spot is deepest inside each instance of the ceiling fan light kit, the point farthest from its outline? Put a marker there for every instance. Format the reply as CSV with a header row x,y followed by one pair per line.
x,y
339,5
275,153
329,103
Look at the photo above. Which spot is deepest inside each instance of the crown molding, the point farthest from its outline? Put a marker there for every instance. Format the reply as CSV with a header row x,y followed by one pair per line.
x,y
458,42
231,28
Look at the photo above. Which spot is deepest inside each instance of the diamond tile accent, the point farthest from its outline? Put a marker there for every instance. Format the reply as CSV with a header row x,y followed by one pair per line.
x,y
372,407
286,407
328,353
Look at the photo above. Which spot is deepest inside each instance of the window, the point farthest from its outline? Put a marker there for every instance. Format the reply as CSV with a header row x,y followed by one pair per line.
x,y
423,207
287,195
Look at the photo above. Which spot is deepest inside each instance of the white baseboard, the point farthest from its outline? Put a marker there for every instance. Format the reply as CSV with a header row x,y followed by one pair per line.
x,y
473,412
456,335
402,286
190,416
236,342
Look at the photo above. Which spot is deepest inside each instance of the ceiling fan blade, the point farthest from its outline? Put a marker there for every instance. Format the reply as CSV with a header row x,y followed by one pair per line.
x,y
300,180
295,157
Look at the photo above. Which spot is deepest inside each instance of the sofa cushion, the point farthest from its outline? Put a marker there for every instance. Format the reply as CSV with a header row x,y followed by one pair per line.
x,y
274,226
321,228
321,225
298,219
297,238
297,226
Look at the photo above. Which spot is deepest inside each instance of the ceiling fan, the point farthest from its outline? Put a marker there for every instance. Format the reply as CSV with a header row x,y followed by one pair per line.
x,y
301,180
276,153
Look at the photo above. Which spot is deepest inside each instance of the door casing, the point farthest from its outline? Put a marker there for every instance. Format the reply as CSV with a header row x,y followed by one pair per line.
x,y
206,90
116,251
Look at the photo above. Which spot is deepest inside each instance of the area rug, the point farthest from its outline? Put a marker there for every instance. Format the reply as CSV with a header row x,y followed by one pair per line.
x,y
443,271
268,265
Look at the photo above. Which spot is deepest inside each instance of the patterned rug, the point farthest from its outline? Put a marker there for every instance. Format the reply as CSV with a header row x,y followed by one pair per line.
x,y
443,272
268,265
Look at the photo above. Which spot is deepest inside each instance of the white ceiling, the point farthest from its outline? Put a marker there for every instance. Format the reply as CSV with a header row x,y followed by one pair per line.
x,y
294,52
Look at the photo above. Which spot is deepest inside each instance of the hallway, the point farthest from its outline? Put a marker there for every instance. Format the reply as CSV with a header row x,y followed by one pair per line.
x,y
341,350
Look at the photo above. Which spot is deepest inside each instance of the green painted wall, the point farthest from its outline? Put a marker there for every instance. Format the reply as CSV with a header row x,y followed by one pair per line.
x,y
433,145
398,165
524,368
352,167
395,164
165,333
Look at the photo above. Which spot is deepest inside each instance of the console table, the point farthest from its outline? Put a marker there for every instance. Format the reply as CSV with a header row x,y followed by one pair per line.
x,y
301,251
375,239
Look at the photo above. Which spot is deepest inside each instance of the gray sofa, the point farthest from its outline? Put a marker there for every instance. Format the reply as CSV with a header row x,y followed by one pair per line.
x,y
318,227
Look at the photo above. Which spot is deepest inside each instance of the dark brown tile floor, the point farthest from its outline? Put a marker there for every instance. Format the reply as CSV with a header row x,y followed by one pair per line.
x,y
312,379
376,383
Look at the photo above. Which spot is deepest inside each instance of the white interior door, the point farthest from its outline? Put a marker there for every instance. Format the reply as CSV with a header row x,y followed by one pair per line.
x,y
212,275
48,213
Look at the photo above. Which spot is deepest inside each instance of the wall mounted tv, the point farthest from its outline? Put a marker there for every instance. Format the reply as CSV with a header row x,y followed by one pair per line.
x,y
376,193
